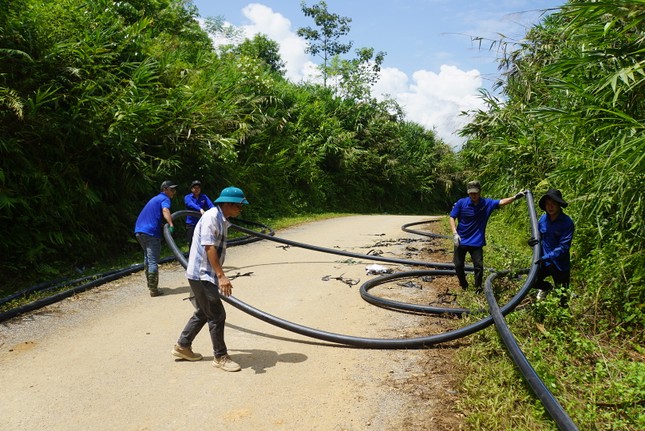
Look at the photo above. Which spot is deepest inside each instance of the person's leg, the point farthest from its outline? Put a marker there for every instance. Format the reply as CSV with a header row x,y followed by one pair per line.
x,y
561,281
543,286
190,230
477,255
151,252
459,257
209,302
142,239
216,315
198,319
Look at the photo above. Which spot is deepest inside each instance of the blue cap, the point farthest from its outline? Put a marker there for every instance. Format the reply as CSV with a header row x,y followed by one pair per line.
x,y
232,195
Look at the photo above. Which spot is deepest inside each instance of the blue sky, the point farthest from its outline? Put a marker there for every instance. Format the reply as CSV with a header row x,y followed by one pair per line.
x,y
432,67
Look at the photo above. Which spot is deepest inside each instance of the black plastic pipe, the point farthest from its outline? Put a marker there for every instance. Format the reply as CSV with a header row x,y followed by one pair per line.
x,y
341,252
555,410
375,343
397,305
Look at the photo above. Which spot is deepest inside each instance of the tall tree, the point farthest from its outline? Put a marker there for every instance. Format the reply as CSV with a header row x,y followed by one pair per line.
x,y
358,75
324,41
265,49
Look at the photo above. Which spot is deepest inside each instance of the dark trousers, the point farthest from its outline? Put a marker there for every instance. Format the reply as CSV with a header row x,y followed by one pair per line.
x,y
561,279
208,309
459,259
190,230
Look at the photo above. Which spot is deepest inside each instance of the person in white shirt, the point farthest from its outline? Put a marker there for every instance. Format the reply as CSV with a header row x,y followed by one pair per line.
x,y
207,279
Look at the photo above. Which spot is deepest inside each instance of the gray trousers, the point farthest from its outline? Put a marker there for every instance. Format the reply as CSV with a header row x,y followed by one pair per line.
x,y
208,309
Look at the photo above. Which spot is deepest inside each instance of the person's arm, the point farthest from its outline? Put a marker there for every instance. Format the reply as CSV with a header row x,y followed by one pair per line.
x,y
456,239
191,204
209,202
453,225
224,283
510,199
166,215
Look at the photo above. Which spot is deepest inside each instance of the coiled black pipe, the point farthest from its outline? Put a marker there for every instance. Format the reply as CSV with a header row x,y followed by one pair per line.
x,y
406,228
374,343
397,305
343,253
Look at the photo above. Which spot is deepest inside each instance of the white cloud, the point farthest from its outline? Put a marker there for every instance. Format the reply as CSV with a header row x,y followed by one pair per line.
x,y
431,99
435,100
278,28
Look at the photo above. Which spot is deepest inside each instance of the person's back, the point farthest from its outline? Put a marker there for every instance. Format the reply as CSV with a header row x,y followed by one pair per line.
x,y
147,230
150,218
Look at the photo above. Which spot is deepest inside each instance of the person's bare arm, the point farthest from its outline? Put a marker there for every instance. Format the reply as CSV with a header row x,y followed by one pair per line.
x,y
224,283
166,215
510,199
453,225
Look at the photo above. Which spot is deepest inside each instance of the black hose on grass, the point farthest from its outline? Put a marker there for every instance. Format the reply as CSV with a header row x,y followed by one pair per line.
x,y
555,410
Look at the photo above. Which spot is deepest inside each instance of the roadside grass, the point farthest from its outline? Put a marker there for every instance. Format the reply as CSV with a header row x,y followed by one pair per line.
x,y
598,376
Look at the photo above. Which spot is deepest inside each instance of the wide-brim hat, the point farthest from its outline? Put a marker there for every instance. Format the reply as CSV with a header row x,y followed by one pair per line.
x,y
554,195
232,195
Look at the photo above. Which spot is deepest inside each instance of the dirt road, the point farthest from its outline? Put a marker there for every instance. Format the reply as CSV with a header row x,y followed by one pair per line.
x,y
101,360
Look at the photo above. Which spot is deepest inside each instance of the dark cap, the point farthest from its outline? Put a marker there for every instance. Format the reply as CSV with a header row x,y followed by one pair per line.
x,y
474,187
195,183
554,195
168,185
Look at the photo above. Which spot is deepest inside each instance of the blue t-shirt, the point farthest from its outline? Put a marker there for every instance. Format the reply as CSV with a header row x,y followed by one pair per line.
x,y
201,202
556,236
472,219
151,216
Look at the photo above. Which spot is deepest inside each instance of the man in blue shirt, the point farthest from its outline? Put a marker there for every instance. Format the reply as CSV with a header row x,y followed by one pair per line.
x,y
556,232
148,232
195,201
468,220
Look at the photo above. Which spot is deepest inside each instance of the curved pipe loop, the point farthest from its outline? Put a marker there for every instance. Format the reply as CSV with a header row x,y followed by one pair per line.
x,y
375,343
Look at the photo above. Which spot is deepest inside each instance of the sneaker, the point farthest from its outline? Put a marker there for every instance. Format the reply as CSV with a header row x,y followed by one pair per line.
x,y
225,363
185,353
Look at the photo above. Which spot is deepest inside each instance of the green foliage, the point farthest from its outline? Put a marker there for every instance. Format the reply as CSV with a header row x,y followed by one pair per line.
x,y
572,119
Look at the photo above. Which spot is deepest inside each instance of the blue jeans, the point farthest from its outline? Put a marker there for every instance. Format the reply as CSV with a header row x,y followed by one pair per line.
x,y
208,309
151,251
